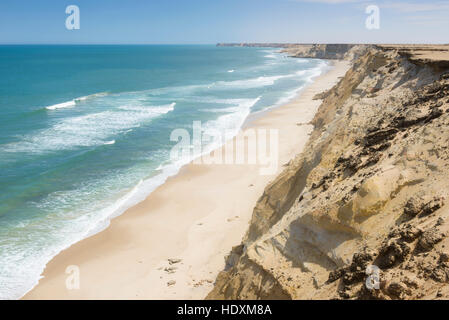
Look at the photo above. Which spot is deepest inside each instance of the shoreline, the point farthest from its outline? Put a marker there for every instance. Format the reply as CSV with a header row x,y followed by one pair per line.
x,y
176,221
252,117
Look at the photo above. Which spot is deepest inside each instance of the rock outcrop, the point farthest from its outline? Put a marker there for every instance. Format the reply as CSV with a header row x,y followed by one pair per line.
x,y
370,189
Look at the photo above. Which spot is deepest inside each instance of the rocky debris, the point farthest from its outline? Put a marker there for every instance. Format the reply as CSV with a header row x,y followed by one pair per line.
x,y
392,252
202,282
431,206
440,273
405,248
413,206
430,267
429,238
393,284
444,257
422,206
356,271
406,232
398,290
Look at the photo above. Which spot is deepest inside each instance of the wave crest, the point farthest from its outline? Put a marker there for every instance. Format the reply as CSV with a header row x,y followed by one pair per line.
x,y
72,103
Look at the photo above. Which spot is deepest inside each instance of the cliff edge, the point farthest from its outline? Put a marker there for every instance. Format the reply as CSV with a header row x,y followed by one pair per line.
x,y
368,194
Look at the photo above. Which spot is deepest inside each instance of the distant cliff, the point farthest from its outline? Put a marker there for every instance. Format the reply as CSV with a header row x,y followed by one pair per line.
x,y
370,188
261,45
320,51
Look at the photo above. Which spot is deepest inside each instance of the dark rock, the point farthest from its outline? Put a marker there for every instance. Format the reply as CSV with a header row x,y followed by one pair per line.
x,y
413,206
417,206
353,277
392,253
439,274
432,206
428,239
435,113
335,275
361,260
397,290
381,147
380,136
444,257
406,232
372,160
444,76
351,164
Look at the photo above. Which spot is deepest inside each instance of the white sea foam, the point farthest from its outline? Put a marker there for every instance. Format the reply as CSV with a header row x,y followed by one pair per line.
x,y
271,56
249,83
258,82
87,130
288,97
231,71
229,123
236,104
301,60
307,75
72,103
92,96
67,104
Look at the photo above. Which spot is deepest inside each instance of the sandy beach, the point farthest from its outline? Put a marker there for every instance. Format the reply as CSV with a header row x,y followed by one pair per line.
x,y
197,216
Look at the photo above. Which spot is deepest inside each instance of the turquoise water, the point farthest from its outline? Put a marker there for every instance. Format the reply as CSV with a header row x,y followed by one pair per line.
x,y
85,132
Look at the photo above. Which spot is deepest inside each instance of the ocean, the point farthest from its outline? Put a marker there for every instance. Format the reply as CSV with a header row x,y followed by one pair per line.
x,y
85,132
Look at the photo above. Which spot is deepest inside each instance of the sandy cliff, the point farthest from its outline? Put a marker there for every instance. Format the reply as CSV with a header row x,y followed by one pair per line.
x,y
369,189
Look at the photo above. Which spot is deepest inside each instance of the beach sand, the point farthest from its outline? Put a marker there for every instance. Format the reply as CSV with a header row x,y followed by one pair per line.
x,y
196,216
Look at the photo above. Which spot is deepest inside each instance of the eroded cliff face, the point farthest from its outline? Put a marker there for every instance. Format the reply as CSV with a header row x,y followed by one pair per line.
x,y
319,51
369,189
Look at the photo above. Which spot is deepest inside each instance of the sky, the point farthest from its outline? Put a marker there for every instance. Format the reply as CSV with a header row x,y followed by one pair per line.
x,y
212,21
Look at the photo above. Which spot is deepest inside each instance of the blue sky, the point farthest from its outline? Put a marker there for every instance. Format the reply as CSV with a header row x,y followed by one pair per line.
x,y
211,21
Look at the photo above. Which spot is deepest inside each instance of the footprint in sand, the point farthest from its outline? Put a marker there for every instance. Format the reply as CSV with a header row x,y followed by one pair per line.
x,y
170,269
174,261
171,283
